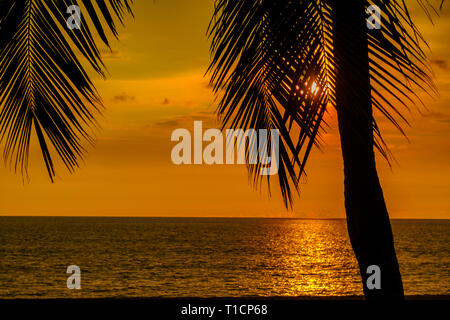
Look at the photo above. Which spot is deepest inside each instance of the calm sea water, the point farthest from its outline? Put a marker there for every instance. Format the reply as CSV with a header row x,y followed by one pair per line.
x,y
149,257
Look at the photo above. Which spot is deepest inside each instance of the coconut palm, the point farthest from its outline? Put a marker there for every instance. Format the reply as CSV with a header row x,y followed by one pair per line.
x,y
280,64
44,88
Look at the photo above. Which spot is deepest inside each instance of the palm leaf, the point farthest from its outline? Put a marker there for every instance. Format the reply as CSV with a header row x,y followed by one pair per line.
x,y
44,88
273,65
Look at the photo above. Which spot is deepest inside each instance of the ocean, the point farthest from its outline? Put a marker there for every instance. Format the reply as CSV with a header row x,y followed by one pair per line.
x,y
206,257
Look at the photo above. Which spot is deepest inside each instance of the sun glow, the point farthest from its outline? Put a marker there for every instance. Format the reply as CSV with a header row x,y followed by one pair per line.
x,y
314,88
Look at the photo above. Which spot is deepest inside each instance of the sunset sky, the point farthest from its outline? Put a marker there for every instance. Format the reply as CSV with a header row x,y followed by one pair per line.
x,y
156,84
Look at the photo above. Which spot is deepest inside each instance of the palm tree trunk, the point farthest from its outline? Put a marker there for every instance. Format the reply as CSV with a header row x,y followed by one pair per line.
x,y
367,217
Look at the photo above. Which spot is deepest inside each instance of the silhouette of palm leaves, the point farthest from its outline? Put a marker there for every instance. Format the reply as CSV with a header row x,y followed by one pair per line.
x,y
273,66
43,85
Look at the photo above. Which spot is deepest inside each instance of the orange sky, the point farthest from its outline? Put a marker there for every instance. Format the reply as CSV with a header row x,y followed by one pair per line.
x,y
157,84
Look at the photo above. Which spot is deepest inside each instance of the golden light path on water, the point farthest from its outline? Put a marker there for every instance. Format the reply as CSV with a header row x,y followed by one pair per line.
x,y
316,260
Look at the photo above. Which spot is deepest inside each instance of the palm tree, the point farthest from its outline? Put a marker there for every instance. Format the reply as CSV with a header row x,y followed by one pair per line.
x,y
43,85
282,64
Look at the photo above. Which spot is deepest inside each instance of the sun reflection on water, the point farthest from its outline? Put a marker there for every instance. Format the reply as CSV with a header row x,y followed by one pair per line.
x,y
315,260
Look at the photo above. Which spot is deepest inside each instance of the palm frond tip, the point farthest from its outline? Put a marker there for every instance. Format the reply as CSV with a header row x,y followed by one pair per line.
x,y
43,85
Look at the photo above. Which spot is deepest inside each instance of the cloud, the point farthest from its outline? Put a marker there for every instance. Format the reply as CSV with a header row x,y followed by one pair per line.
x,y
437,116
123,97
210,86
169,123
440,63
112,54
186,121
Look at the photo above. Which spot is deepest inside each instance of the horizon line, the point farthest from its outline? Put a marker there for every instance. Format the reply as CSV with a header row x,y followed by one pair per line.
x,y
198,217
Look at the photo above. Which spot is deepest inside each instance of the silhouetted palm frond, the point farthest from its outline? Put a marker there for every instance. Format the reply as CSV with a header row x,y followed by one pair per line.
x,y
274,59
43,85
